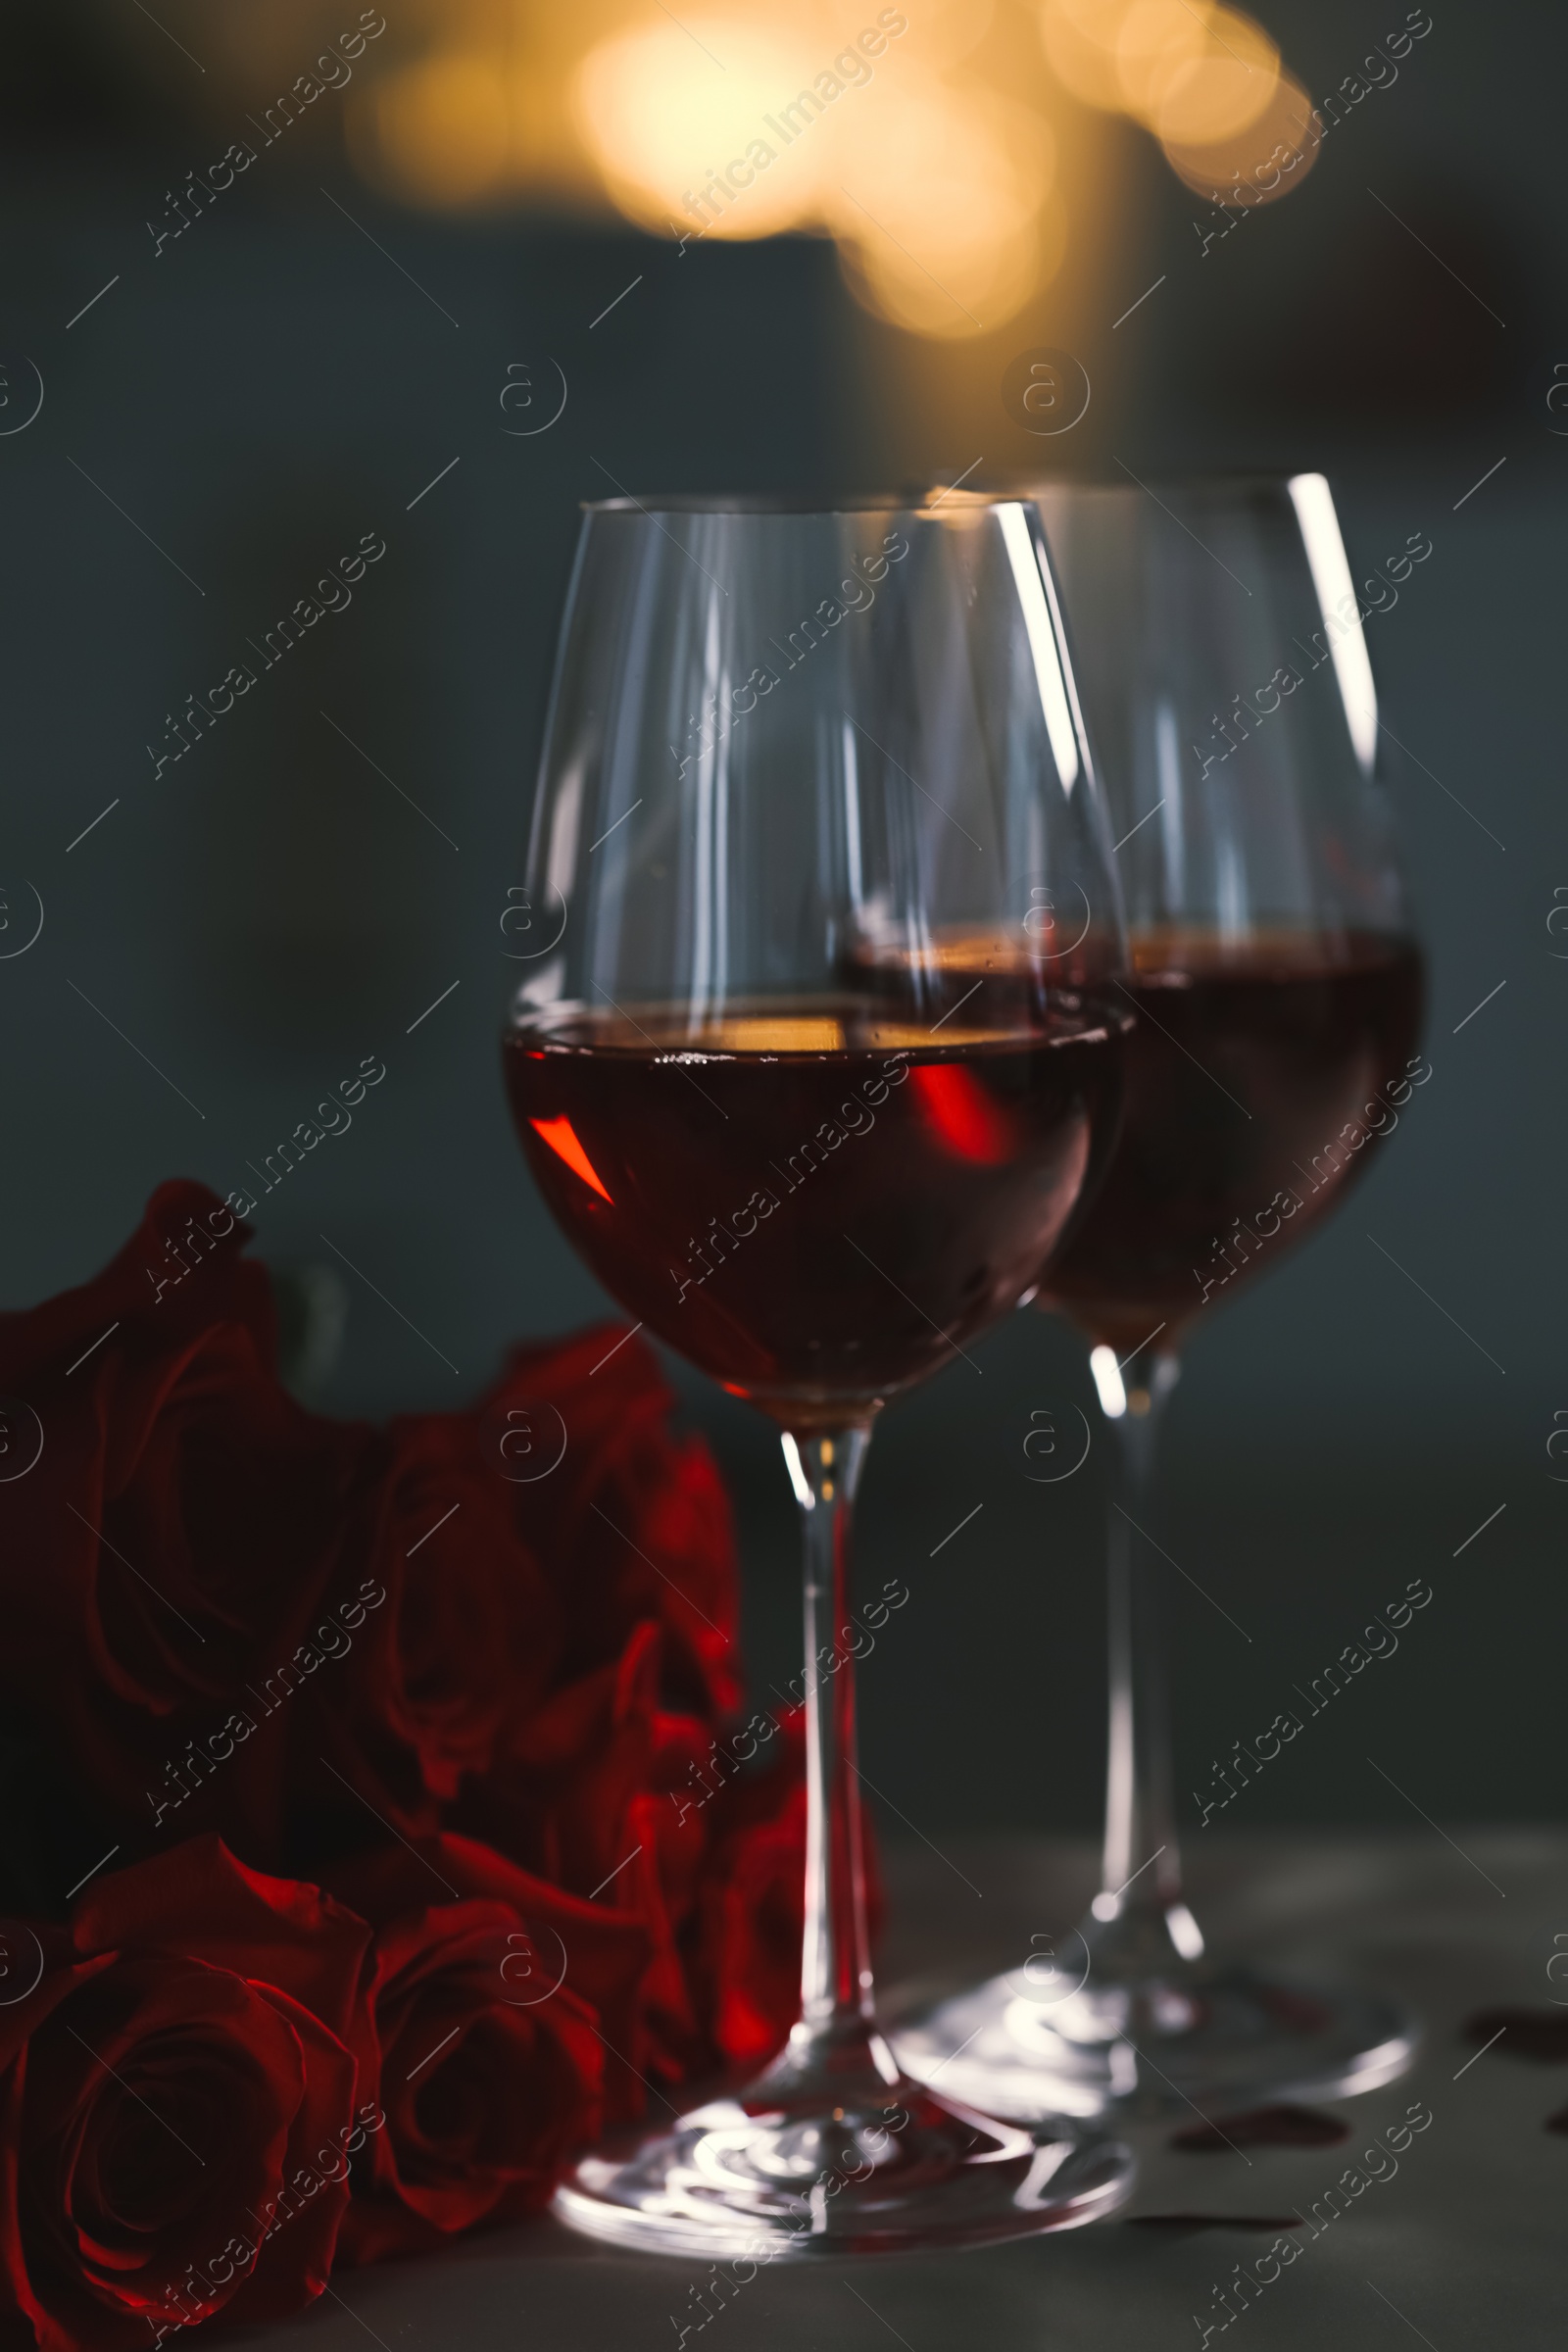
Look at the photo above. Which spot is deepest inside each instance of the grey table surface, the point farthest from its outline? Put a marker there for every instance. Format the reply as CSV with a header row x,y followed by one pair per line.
x,y
1464,2246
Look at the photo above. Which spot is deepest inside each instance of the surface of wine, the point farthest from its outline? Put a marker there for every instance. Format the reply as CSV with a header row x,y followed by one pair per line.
x,y
813,1201
1259,1074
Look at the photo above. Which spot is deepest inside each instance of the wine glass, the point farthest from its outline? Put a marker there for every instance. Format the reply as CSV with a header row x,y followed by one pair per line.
x,y
788,754
1216,633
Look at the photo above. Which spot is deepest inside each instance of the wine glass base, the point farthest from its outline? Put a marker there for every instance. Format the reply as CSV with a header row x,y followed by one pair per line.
x,y
756,2179
1228,2039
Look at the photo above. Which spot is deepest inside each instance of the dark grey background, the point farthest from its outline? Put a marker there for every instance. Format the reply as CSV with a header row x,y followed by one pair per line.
x,y
270,910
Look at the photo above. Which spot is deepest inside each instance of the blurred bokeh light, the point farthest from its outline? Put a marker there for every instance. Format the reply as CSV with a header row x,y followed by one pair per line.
x,y
924,147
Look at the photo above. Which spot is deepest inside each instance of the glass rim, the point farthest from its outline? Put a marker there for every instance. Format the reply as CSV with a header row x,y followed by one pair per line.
x,y
920,505
1218,478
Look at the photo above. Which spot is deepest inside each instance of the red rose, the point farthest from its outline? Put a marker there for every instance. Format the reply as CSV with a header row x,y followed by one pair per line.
x,y
181,2101
225,1611
743,1945
604,1792
558,1798
633,1523
459,1633
575,1800
501,2015
164,1558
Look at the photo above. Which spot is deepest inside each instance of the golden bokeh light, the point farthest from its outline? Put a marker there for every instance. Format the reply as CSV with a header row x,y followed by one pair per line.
x,y
1204,79
1187,70
1156,43
440,131
933,190
1228,84
995,281
1262,161
939,210
953,29
704,147
1080,39
922,142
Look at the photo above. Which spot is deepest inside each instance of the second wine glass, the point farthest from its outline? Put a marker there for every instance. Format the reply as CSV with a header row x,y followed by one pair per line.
x,y
1278,992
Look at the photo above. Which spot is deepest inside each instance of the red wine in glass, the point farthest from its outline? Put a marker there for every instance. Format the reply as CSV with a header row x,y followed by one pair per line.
x,y
1258,1073
773,1191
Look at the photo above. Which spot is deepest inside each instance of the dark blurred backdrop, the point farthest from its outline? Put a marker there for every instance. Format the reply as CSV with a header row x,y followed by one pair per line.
x,y
240,404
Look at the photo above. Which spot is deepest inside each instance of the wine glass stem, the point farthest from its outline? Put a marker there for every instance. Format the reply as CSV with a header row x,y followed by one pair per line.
x,y
1141,1879
836,2032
